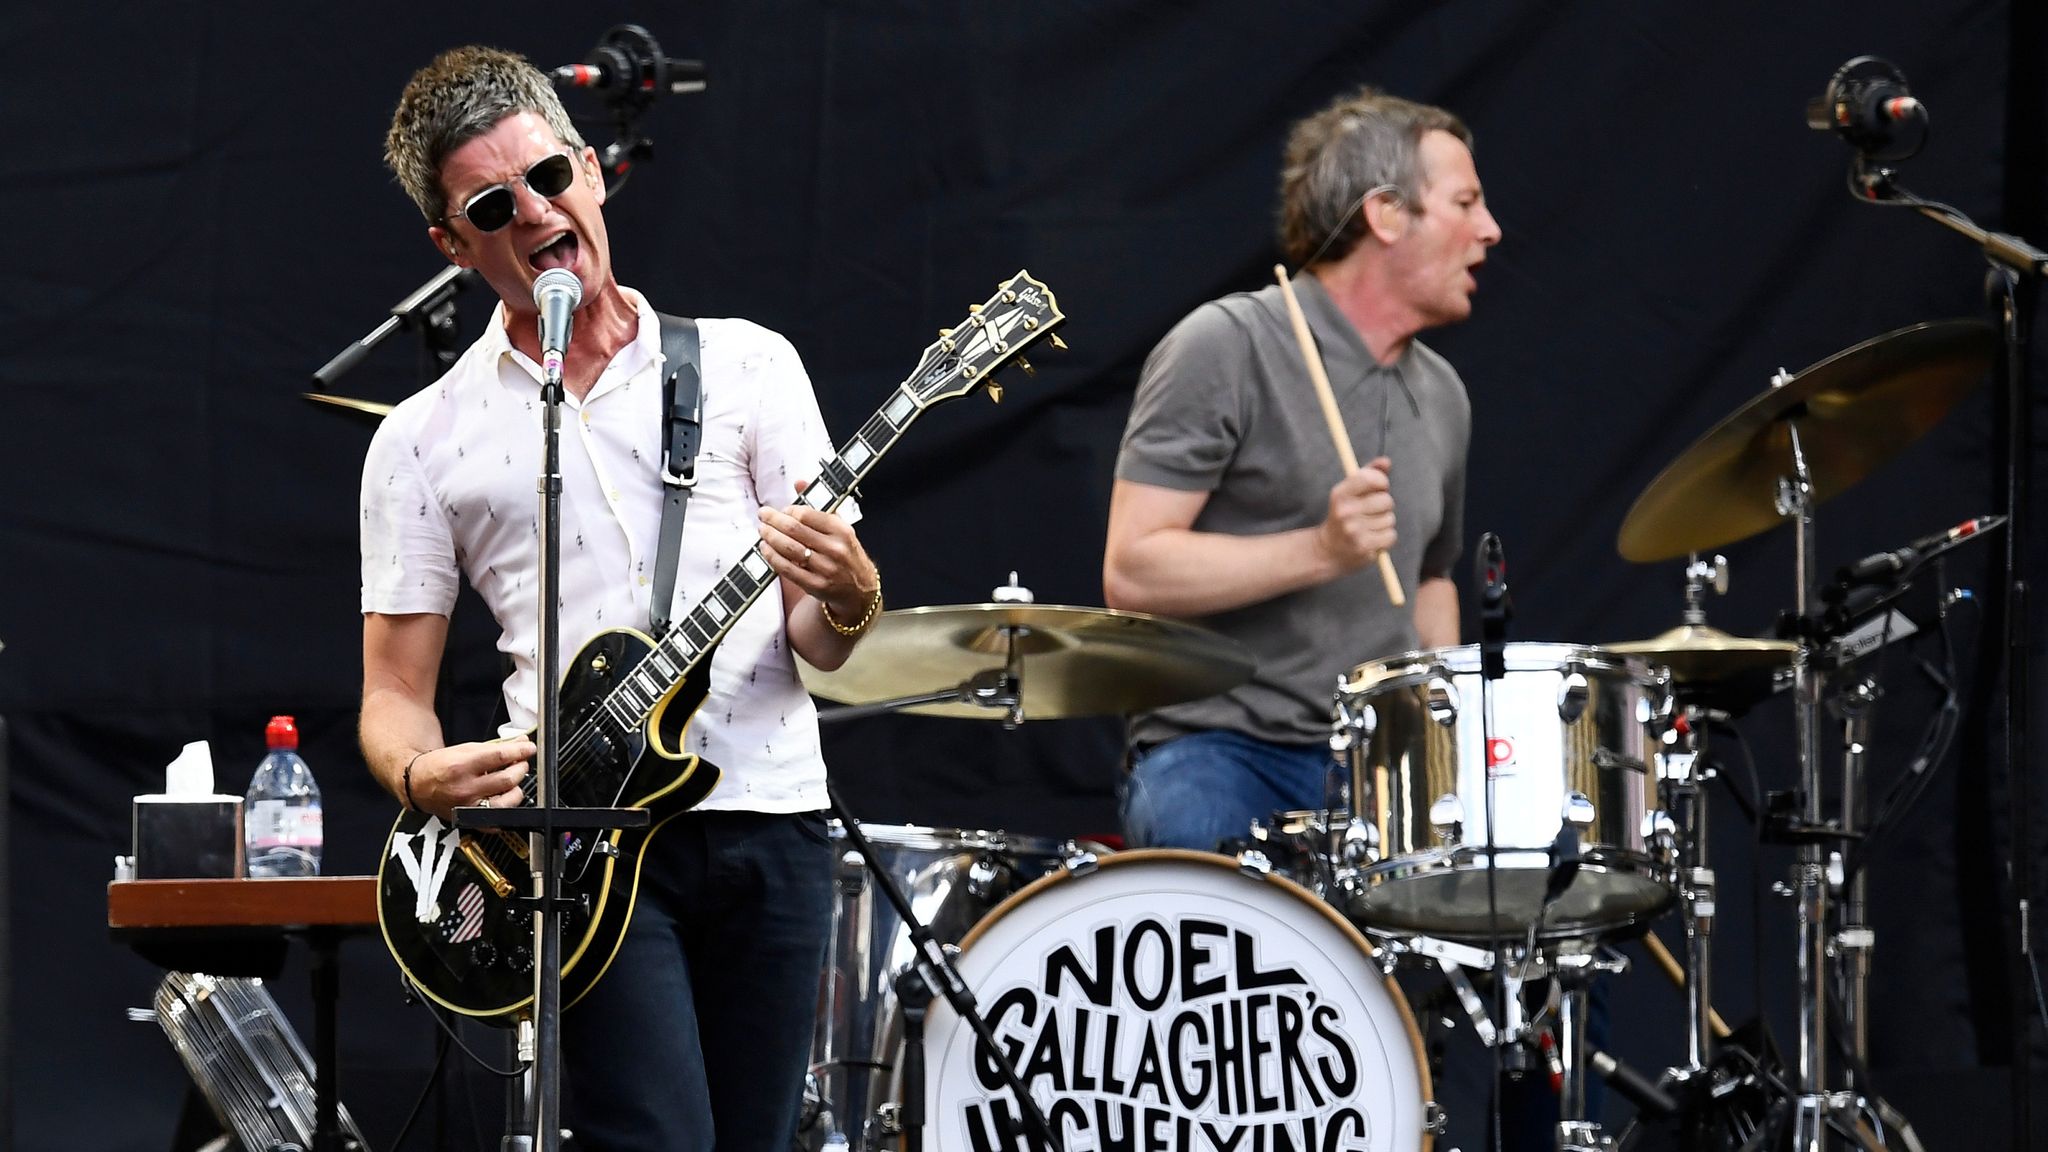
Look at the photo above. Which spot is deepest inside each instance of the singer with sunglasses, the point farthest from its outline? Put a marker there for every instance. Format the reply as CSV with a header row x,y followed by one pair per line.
x,y
699,1030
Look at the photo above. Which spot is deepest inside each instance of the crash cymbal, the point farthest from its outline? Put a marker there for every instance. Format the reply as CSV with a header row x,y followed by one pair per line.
x,y
1854,410
367,407
1700,653
1070,661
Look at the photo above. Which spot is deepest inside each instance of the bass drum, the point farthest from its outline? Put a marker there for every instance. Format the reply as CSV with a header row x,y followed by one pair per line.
x,y
1169,999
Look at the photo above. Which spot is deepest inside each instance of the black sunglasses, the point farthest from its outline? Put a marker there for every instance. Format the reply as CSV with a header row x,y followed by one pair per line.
x,y
492,208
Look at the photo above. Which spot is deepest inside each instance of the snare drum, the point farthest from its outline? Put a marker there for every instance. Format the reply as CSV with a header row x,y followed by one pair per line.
x,y
951,878
1572,740
1168,999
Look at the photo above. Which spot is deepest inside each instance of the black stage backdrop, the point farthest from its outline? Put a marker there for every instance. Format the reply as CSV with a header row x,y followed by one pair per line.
x,y
200,219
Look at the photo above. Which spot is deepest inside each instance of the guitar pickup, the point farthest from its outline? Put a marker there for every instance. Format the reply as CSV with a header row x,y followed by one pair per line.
x,y
484,868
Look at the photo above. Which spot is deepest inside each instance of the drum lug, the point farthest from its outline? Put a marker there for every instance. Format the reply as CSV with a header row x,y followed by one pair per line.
x,y
1442,698
853,875
1254,863
889,1119
981,878
1447,817
1579,811
1434,1120
1078,860
1361,844
1349,724
1572,694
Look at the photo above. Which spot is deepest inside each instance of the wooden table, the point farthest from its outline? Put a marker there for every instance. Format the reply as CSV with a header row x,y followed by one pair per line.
x,y
157,916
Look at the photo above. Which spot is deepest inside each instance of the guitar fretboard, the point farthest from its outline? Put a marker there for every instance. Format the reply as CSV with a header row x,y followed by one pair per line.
x,y
677,654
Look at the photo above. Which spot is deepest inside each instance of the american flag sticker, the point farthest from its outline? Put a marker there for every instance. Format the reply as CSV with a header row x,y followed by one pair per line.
x,y
469,907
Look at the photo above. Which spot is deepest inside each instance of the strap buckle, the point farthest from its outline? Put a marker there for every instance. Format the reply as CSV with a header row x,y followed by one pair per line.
x,y
686,479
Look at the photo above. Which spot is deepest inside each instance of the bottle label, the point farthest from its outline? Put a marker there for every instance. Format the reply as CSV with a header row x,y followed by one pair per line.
x,y
273,823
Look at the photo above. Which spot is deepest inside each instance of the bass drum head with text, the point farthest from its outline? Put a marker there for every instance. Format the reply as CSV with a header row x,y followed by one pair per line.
x,y
1168,1000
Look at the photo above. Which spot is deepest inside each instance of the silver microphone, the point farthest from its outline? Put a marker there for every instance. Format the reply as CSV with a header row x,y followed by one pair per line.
x,y
556,294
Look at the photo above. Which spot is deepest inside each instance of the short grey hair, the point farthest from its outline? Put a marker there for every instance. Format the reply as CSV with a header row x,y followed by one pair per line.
x,y
1340,155
462,95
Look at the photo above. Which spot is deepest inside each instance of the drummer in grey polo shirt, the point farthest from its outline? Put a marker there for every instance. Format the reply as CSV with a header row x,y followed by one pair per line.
x,y
1224,511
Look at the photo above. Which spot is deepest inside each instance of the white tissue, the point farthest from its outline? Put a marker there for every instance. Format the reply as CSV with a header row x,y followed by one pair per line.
x,y
191,774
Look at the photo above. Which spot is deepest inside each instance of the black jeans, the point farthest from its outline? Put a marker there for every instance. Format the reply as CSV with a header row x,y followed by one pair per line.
x,y
700,1031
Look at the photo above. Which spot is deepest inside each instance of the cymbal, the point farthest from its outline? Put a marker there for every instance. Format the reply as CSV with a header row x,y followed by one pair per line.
x,y
369,407
1700,653
1854,410
1070,661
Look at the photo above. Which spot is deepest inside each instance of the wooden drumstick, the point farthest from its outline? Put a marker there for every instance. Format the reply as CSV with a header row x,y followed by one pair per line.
x,y
1321,380
1669,964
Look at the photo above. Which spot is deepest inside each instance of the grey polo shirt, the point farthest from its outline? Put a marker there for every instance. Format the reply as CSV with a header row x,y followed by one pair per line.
x,y
1224,406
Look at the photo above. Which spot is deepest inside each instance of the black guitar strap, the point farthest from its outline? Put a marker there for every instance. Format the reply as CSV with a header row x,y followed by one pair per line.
x,y
682,391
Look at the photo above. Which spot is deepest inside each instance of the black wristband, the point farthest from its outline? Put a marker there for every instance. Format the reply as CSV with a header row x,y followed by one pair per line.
x,y
407,781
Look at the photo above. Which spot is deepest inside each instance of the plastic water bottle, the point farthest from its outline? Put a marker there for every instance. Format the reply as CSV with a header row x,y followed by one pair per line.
x,y
281,815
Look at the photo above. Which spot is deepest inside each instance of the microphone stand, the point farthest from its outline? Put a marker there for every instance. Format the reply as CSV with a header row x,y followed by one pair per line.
x,y
2017,269
546,819
428,310
1496,609
932,974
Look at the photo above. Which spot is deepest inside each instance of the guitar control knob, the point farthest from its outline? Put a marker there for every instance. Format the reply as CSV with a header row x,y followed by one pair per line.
x,y
483,954
520,957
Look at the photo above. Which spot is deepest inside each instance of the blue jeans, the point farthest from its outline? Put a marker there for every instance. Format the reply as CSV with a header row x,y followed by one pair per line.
x,y
700,1031
1201,789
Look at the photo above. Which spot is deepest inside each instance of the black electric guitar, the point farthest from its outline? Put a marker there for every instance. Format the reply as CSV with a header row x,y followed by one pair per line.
x,y
448,900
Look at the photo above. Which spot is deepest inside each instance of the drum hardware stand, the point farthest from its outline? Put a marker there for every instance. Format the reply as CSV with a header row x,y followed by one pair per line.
x,y
1816,1106
1850,106
1854,939
931,974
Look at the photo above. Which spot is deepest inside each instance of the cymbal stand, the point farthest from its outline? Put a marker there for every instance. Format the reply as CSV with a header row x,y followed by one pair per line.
x,y
1685,775
1815,1107
1853,938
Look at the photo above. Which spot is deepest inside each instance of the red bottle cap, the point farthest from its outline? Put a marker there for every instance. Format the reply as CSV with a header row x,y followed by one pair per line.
x,y
282,732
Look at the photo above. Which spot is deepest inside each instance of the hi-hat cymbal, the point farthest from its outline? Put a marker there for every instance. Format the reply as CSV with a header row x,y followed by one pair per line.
x,y
367,407
1698,653
1070,661
1854,410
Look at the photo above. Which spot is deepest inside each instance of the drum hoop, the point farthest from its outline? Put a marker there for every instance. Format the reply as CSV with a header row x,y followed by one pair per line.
x,y
1396,671
928,838
1229,864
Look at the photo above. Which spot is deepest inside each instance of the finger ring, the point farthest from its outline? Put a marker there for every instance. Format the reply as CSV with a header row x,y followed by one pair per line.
x,y
806,561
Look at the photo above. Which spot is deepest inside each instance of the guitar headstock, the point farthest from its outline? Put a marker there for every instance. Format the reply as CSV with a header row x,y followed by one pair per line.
x,y
994,332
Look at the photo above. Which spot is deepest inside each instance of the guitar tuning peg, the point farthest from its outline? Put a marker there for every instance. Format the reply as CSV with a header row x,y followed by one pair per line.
x,y
1058,343
945,332
995,391
1026,366
973,309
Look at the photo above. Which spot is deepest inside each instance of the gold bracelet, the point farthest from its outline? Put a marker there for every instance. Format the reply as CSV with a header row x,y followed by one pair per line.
x,y
866,618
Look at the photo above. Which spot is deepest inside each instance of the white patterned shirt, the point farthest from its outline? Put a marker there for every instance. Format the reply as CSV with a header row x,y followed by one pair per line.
x,y
448,487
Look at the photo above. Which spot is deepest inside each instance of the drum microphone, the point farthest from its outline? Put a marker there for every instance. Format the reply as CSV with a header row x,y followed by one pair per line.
x,y
1880,567
1646,1094
628,64
1865,101
1496,608
556,294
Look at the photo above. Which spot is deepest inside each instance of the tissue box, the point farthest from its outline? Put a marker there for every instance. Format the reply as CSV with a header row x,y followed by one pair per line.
x,y
179,837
